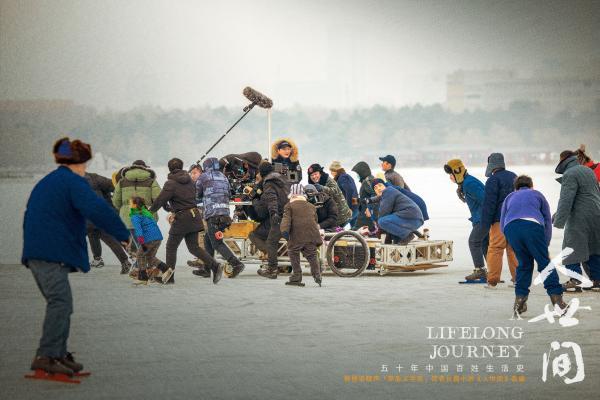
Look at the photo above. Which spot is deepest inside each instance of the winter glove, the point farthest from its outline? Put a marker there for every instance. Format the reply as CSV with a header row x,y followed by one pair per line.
x,y
461,194
286,235
140,240
275,219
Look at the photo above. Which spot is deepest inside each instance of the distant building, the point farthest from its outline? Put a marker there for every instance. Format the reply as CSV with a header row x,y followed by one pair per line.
x,y
497,89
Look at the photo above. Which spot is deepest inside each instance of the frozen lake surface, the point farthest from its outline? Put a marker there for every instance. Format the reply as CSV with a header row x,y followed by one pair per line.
x,y
252,338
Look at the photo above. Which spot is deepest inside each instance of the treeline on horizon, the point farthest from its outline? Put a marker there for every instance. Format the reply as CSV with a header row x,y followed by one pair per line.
x,y
156,135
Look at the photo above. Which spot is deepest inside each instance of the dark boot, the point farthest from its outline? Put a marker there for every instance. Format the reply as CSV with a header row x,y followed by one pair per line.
x,y
572,285
69,362
595,286
520,305
406,240
557,300
217,271
237,269
143,275
318,281
125,267
203,272
269,272
51,365
295,283
478,273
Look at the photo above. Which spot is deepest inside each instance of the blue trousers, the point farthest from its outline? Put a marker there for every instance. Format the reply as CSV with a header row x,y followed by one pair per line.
x,y
399,227
594,265
53,281
529,243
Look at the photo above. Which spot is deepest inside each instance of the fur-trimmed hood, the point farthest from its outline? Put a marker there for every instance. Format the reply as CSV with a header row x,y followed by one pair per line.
x,y
293,155
137,173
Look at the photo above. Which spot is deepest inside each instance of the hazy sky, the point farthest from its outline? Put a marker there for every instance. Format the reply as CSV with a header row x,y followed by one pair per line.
x,y
121,54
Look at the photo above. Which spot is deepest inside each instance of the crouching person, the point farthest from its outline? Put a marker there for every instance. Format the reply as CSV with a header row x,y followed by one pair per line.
x,y
399,216
526,222
148,236
300,228
54,245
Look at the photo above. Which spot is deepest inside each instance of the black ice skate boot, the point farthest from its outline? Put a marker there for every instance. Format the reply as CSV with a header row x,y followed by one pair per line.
x,y
69,362
203,272
295,283
520,306
269,273
572,286
217,271
477,274
125,267
97,262
557,300
318,281
51,365
236,269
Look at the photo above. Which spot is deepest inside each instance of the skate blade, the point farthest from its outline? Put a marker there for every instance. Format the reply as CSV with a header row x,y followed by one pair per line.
x,y
299,284
43,375
475,281
83,374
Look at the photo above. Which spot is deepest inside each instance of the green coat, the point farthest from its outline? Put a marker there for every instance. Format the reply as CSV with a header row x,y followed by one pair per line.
x,y
344,212
135,181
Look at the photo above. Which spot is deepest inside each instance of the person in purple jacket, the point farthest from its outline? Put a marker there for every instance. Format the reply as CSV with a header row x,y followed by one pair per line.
x,y
526,222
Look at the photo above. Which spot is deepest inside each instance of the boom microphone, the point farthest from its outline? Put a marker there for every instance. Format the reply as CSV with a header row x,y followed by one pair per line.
x,y
257,98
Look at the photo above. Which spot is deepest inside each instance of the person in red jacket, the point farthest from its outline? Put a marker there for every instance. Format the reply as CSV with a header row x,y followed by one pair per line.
x,y
587,161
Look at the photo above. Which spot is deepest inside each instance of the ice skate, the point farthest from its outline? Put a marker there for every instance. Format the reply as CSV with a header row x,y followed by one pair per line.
x,y
318,281
595,286
295,283
479,275
572,286
520,306
217,271
47,368
236,270
168,277
69,362
195,263
125,267
97,262
557,300
269,273
203,272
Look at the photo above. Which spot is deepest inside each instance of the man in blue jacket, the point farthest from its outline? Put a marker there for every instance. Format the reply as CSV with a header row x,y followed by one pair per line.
x,y
500,184
54,244
471,191
399,216
213,190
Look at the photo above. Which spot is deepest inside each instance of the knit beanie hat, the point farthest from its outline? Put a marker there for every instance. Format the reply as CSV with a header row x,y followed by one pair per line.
x,y
67,152
457,168
265,168
495,161
296,190
376,182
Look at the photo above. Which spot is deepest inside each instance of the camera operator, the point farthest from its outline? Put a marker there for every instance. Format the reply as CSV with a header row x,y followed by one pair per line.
x,y
240,170
284,157
326,208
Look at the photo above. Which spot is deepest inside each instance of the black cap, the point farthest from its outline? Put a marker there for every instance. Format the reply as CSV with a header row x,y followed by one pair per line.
x,y
282,144
140,163
389,158
314,168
